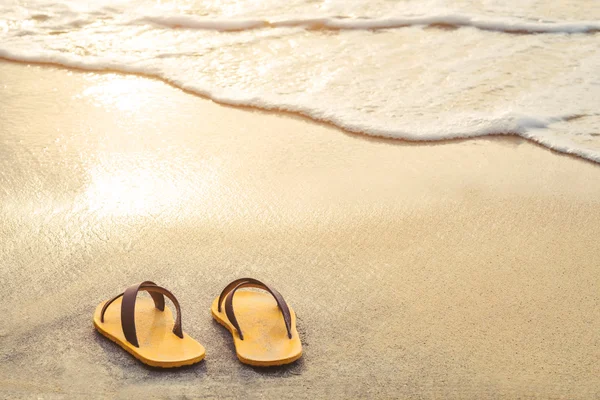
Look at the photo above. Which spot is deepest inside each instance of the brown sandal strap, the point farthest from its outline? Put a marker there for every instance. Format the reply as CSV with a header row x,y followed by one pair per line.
x,y
229,288
159,301
249,282
128,308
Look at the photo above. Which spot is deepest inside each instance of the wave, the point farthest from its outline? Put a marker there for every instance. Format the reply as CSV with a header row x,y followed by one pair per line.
x,y
508,123
452,21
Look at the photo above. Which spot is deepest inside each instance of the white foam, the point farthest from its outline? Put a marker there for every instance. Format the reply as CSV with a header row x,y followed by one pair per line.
x,y
190,22
410,84
527,126
447,20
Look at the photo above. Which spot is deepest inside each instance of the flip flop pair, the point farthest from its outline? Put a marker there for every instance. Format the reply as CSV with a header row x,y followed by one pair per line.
x,y
263,326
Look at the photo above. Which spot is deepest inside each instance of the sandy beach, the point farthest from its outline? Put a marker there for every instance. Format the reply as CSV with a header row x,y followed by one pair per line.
x,y
458,269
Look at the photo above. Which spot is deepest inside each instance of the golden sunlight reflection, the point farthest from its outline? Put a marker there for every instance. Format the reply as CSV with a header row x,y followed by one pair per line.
x,y
134,176
129,192
124,92
127,185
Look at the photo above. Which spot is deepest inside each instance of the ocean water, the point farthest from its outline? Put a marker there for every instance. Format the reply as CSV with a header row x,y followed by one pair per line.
x,y
415,70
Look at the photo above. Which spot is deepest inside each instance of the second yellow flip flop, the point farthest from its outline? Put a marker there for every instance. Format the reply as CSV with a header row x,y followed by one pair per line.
x,y
262,324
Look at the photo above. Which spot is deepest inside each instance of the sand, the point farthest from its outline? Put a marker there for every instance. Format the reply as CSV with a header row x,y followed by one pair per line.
x,y
463,269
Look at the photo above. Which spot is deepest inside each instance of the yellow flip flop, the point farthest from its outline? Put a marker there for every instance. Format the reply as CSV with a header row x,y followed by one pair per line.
x,y
144,327
263,325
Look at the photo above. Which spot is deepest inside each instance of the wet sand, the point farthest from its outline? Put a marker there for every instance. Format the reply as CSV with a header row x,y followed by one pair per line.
x,y
464,269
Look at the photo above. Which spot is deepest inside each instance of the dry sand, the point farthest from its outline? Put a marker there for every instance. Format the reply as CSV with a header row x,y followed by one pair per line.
x,y
465,269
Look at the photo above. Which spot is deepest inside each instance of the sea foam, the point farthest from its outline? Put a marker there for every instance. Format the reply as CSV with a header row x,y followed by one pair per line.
x,y
445,21
413,84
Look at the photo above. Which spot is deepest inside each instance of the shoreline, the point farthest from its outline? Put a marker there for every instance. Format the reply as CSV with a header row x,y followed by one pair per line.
x,y
297,114
465,269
